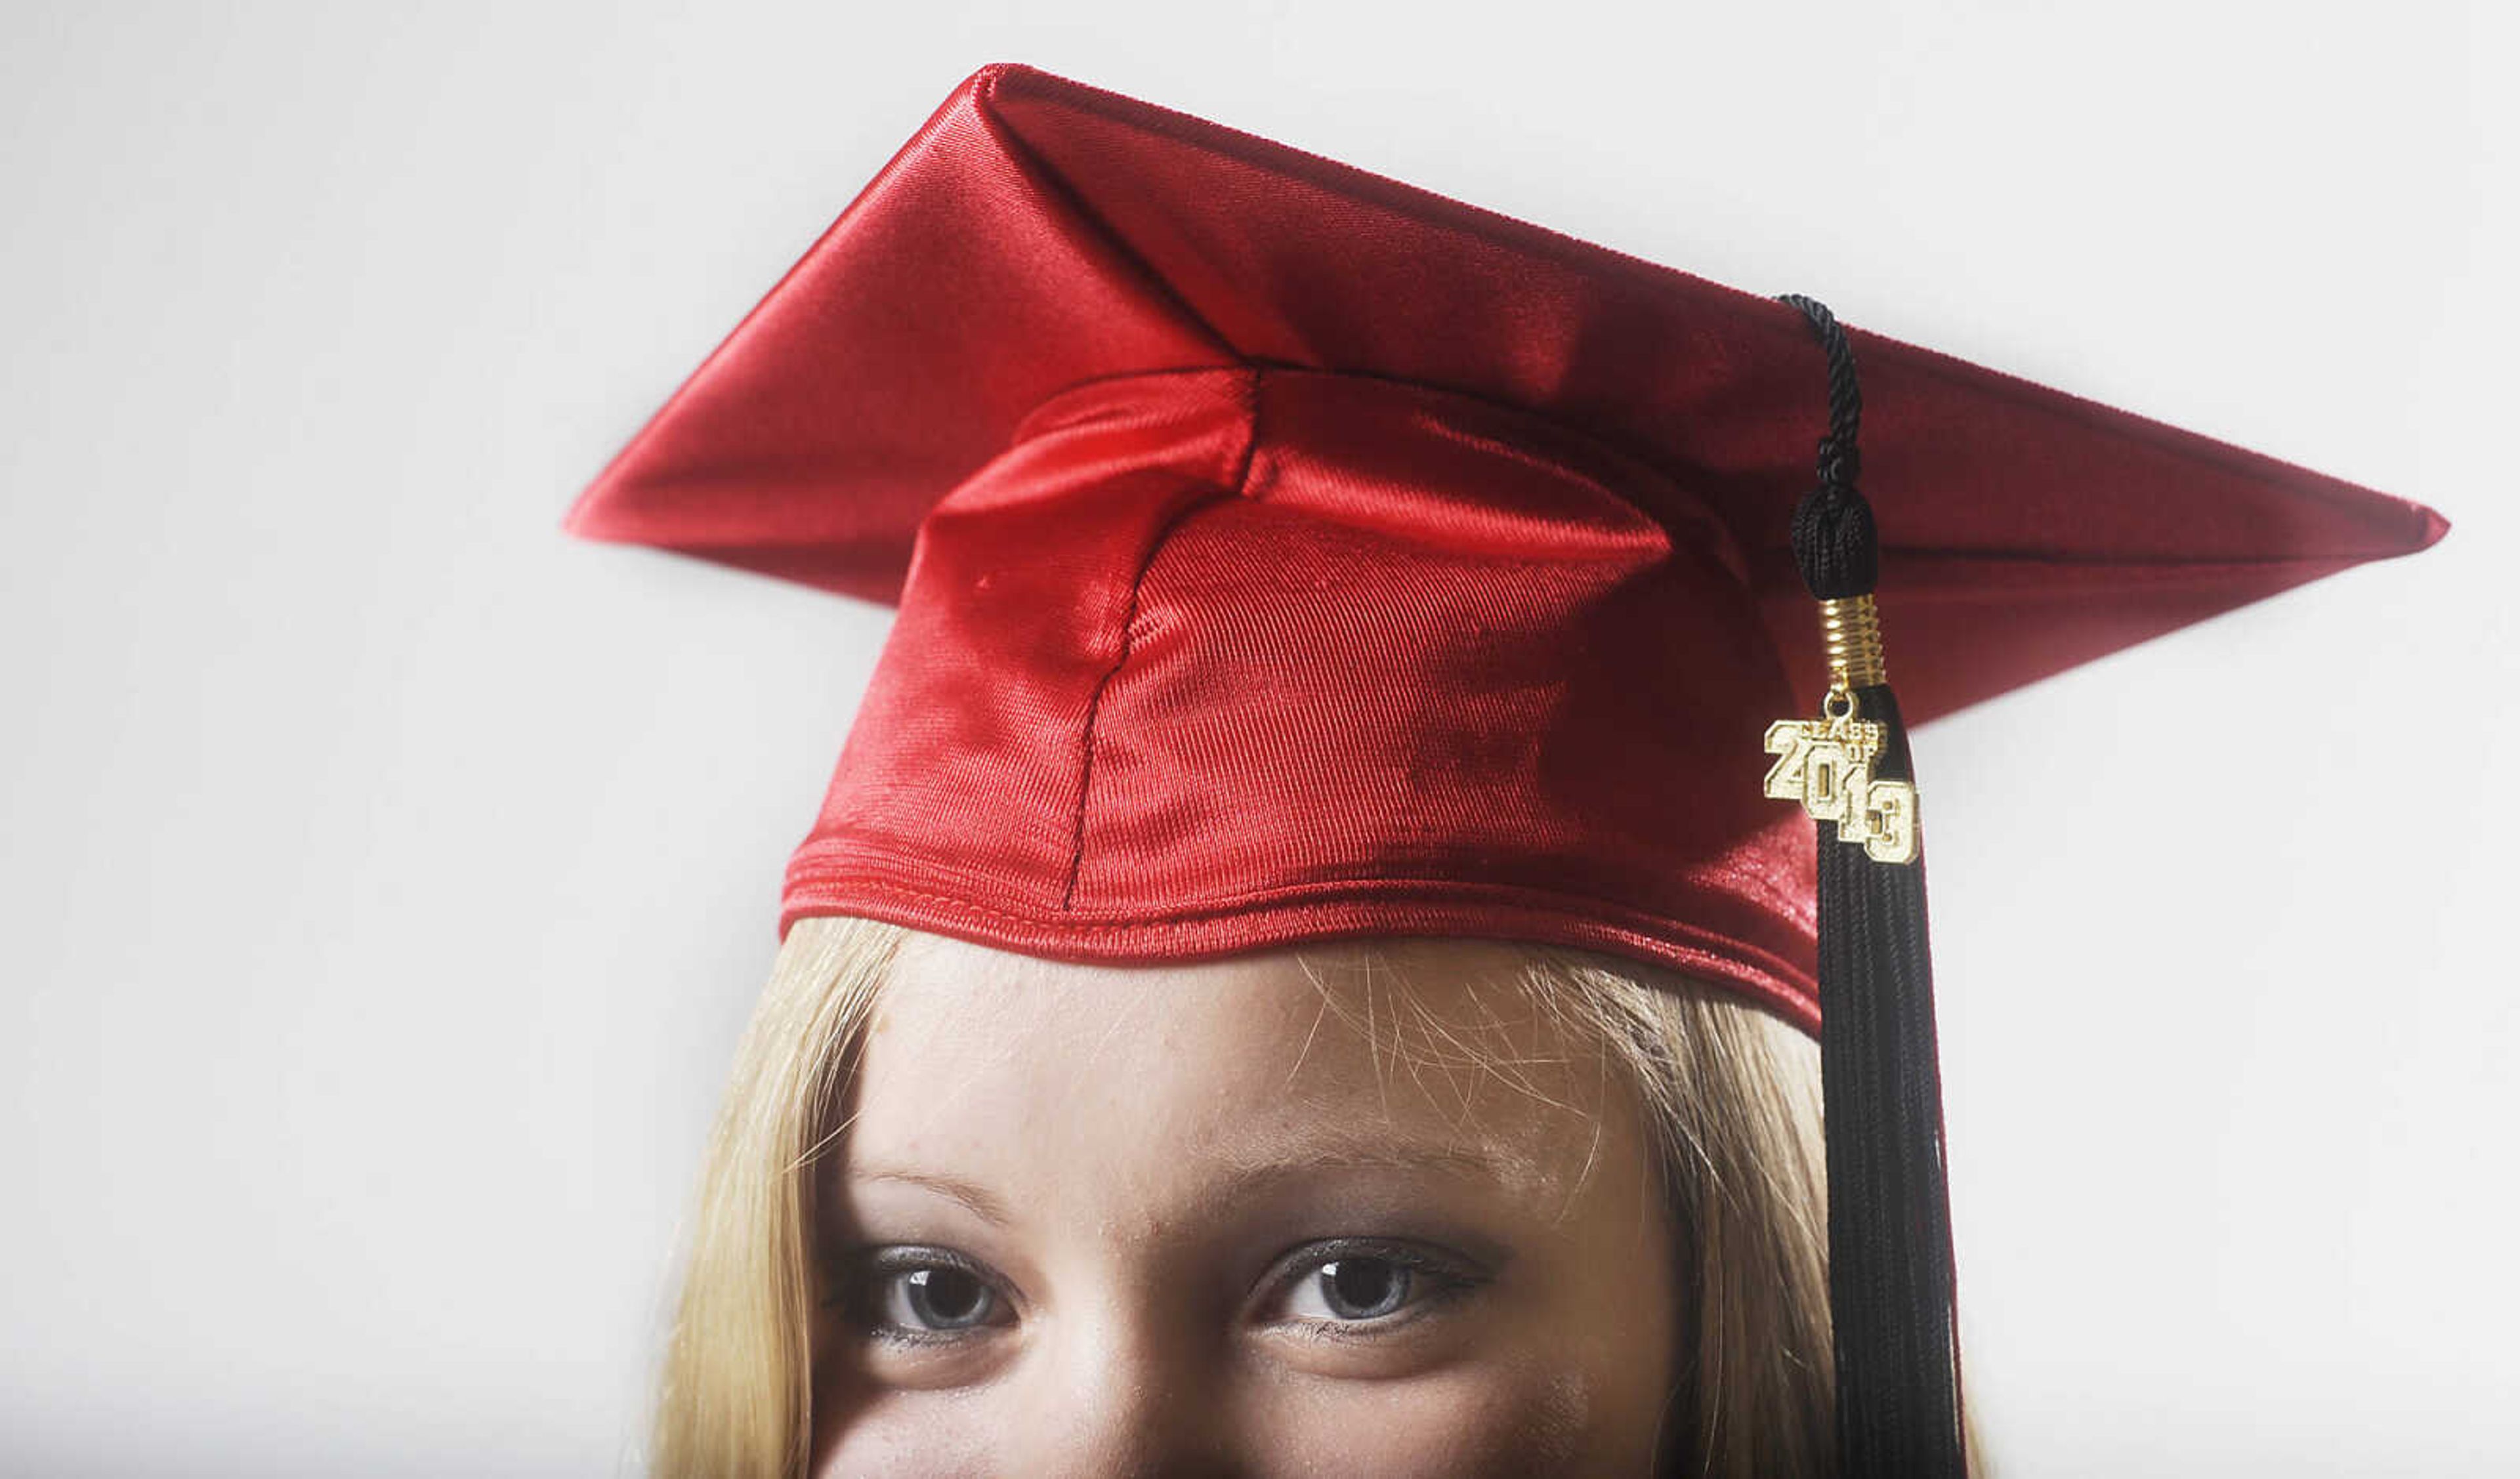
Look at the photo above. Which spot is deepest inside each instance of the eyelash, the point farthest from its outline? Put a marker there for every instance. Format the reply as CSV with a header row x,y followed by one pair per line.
x,y
1436,1279
858,1289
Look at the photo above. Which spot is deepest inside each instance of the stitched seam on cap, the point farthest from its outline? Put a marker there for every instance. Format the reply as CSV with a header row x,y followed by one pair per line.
x,y
1236,487
849,872
1668,935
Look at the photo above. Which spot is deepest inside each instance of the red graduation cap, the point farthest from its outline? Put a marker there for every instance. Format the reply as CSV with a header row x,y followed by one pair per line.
x,y
1283,552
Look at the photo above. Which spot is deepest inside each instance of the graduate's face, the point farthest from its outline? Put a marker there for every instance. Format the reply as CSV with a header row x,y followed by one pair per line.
x,y
1188,1220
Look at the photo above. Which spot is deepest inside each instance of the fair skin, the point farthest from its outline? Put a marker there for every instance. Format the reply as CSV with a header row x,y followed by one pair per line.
x,y
1200,1219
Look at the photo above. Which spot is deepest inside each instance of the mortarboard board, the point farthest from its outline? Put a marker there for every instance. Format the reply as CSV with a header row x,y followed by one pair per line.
x,y
1287,553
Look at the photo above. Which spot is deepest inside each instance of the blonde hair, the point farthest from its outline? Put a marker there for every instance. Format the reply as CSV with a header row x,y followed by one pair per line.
x,y
1730,1094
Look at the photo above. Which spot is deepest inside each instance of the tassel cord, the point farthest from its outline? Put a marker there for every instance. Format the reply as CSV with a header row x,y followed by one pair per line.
x,y
1892,1279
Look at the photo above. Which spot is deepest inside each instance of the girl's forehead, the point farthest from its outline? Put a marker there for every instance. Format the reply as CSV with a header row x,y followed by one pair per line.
x,y
1415,1006
1429,1053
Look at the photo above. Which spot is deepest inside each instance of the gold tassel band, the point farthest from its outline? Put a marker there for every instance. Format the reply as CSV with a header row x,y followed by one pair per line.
x,y
1852,633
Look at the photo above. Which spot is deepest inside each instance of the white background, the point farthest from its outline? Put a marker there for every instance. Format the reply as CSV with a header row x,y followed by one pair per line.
x,y
383,876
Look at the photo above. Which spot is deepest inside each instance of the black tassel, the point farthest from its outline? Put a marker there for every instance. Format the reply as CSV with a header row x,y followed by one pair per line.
x,y
1892,1287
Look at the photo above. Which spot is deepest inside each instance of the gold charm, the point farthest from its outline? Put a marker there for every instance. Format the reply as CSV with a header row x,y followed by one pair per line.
x,y
1826,764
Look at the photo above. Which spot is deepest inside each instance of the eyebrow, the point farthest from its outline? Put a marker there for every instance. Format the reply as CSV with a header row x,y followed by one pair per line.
x,y
1248,1171
1243,1176
979,1204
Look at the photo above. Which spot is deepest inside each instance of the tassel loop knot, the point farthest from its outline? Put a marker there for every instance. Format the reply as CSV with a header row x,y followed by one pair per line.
x,y
1836,544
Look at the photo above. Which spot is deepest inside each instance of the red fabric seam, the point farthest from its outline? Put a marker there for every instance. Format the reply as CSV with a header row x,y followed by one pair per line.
x,y
1241,488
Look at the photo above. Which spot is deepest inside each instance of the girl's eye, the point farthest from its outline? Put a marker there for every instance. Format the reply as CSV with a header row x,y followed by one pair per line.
x,y
937,1299
1352,1281
913,1292
1352,1288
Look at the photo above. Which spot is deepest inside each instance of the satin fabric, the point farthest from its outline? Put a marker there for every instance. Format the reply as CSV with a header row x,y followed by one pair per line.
x,y
1287,553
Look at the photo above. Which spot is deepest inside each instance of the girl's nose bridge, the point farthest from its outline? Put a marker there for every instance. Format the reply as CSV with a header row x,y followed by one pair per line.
x,y
1130,1388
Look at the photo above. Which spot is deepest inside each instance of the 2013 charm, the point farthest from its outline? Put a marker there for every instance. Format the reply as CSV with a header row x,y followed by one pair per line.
x,y
1826,764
